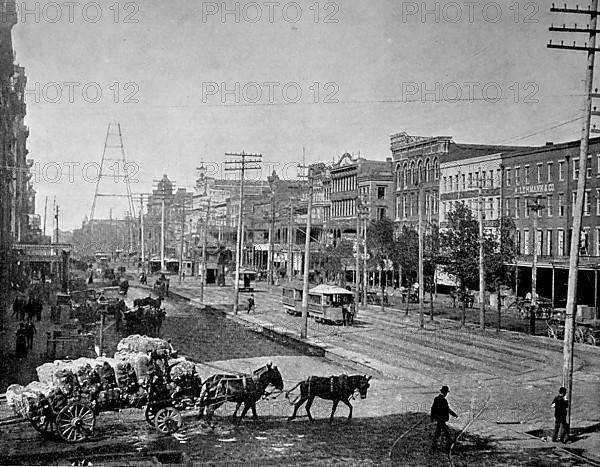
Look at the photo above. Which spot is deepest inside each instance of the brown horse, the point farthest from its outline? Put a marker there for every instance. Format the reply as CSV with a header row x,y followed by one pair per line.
x,y
334,388
241,389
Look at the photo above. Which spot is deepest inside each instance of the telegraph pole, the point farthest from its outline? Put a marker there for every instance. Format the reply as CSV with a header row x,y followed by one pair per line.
x,y
246,162
570,314
365,271
204,242
56,217
535,207
271,234
357,265
182,240
481,271
304,325
162,223
421,275
45,215
290,263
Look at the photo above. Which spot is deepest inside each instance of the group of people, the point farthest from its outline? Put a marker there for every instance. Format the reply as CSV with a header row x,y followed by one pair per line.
x,y
348,314
25,309
24,341
441,411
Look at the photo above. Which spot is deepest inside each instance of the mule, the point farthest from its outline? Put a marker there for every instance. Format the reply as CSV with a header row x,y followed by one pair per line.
x,y
335,388
241,389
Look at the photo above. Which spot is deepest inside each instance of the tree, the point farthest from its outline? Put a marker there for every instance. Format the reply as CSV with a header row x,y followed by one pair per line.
x,y
431,259
382,246
333,260
406,253
459,250
500,259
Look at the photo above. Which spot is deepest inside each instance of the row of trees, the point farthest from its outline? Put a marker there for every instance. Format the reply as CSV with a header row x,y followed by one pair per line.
x,y
454,250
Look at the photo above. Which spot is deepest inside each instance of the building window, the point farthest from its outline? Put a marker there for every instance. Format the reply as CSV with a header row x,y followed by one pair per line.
x,y
587,203
526,209
519,243
561,205
380,192
548,242
526,175
470,180
526,246
597,241
549,172
517,210
549,205
560,239
444,187
539,173
517,175
464,181
575,169
539,237
561,170
574,202
380,213
584,242
588,169
404,207
508,177
598,201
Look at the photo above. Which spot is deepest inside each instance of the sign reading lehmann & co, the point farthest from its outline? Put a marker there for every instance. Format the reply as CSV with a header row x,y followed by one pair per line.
x,y
540,188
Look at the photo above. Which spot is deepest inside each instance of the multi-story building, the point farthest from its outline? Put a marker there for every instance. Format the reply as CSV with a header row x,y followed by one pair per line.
x,y
545,178
350,178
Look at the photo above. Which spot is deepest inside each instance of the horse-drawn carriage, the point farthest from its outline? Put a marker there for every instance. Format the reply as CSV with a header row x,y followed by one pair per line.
x,y
543,308
145,318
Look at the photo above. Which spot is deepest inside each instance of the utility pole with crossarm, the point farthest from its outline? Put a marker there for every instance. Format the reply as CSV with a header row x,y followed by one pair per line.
x,y
246,162
591,49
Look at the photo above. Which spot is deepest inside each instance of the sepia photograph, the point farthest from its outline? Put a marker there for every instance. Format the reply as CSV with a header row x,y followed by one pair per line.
x,y
299,233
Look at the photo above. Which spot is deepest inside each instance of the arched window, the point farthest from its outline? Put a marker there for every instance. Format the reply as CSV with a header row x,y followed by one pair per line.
x,y
412,173
428,176
420,171
436,169
399,185
405,174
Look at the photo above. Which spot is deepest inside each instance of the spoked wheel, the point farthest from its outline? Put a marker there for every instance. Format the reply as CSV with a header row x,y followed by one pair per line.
x,y
591,339
168,420
44,425
75,422
552,331
579,335
151,411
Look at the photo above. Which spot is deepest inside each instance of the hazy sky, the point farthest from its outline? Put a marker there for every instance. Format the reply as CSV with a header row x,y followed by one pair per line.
x,y
188,84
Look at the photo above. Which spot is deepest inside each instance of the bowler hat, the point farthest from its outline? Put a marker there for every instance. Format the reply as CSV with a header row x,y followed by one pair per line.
x,y
444,390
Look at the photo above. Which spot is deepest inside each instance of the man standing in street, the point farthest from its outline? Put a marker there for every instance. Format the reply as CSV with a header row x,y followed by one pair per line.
x,y
560,405
251,305
440,413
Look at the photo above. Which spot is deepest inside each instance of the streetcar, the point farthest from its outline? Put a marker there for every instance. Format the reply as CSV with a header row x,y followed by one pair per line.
x,y
291,297
326,303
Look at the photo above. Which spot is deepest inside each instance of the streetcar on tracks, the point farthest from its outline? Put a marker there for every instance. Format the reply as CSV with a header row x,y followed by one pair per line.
x,y
327,303
291,297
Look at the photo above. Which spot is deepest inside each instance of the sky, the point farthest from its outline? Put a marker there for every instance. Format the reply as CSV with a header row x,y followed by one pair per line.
x,y
189,81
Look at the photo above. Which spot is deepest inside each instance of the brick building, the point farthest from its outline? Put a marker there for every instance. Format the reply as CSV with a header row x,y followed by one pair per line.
x,y
548,176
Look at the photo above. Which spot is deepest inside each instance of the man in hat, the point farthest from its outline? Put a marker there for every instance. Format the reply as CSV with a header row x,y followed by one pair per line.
x,y
560,405
440,412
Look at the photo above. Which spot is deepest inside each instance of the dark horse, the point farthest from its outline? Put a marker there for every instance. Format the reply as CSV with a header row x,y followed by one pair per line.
x,y
241,389
333,388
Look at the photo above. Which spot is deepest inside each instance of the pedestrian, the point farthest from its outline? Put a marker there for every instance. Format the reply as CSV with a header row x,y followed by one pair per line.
x,y
440,412
21,342
39,307
30,330
183,276
351,313
560,405
251,304
18,306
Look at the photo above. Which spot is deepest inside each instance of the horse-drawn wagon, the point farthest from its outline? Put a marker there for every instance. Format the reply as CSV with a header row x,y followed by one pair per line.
x,y
587,328
67,408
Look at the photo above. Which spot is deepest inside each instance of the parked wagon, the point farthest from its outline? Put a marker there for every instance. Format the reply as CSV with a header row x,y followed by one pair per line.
x,y
587,331
326,303
543,308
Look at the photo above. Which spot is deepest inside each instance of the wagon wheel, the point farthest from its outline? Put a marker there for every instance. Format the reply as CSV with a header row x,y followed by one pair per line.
x,y
579,335
552,331
168,420
75,422
151,411
44,425
591,339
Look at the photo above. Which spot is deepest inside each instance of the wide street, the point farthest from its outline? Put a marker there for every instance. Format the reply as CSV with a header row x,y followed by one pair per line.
x,y
501,387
